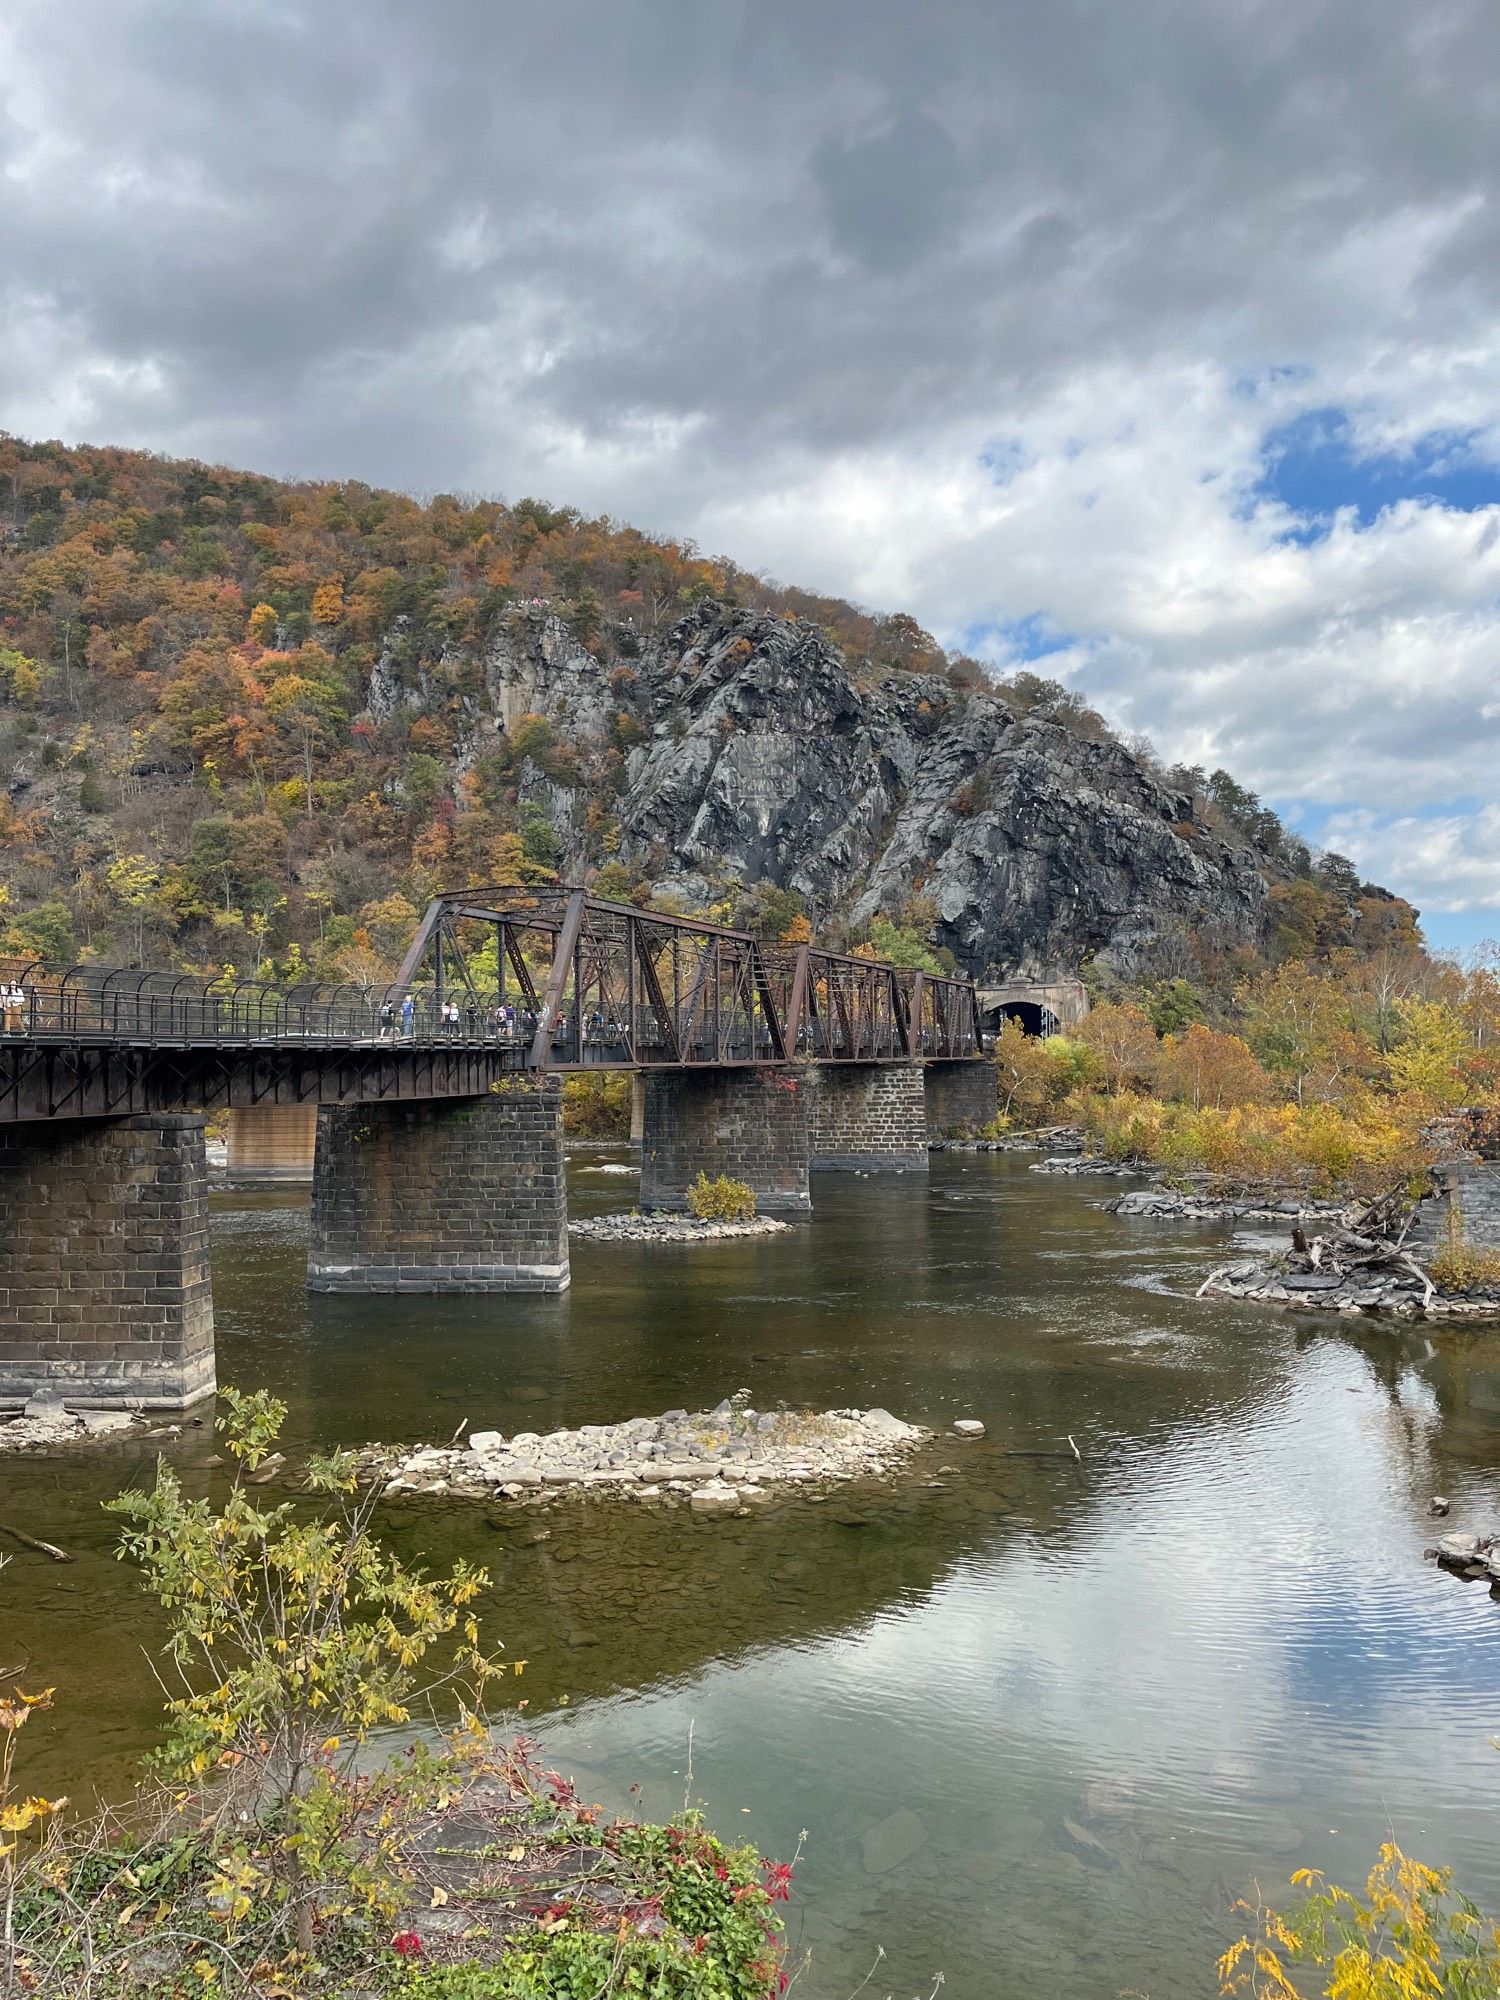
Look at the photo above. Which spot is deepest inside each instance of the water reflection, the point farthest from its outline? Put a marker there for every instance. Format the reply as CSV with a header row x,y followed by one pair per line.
x,y
1043,1721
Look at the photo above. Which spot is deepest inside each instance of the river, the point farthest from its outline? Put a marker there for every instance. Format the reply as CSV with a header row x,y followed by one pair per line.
x,y
1043,1722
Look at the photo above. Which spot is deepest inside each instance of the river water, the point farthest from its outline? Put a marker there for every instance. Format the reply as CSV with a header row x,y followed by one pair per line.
x,y
1043,1722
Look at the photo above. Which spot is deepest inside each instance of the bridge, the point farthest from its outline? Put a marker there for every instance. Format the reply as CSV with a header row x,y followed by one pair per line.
x,y
437,1107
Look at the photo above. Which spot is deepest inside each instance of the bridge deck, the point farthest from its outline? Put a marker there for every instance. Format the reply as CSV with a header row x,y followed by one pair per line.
x,y
559,981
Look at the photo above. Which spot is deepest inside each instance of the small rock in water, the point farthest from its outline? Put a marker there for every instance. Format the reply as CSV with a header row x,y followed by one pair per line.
x,y
891,1841
99,1423
968,1427
1438,1504
46,1410
1458,1548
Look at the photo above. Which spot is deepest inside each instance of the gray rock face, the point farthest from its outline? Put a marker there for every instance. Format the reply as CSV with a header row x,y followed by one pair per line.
x,y
761,758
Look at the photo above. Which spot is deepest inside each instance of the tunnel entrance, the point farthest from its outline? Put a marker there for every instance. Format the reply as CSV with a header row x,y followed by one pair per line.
x,y
1033,1017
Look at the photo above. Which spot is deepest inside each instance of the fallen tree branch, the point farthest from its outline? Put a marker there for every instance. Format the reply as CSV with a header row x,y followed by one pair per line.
x,y
30,1541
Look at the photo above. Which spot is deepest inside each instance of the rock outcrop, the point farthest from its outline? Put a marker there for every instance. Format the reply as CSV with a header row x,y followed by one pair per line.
x,y
761,758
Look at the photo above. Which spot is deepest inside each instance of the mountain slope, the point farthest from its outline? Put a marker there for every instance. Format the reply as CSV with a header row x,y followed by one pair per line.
x,y
246,721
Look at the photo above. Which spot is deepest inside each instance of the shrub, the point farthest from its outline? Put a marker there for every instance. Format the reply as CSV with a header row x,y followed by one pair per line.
x,y
721,1199
290,1622
1409,1934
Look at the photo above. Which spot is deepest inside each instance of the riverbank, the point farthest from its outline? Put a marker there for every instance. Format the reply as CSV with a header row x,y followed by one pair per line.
x,y
718,1461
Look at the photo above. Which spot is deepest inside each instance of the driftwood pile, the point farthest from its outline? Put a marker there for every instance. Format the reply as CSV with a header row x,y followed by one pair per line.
x,y
1356,1262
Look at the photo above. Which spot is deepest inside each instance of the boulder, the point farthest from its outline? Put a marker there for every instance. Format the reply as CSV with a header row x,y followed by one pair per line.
x,y
968,1427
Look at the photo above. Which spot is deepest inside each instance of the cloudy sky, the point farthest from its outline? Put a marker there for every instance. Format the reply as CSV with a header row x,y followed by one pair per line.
x,y
1156,342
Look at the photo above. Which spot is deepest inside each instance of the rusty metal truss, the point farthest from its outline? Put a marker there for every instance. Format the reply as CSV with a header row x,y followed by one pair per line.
x,y
581,983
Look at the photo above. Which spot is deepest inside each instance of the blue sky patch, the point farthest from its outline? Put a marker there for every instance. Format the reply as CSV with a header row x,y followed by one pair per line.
x,y
1314,467
1018,639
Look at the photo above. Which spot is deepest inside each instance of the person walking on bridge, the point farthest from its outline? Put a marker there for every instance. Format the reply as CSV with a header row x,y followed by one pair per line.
x,y
408,1017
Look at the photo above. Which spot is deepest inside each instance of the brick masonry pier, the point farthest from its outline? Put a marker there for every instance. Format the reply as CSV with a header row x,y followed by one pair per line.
x,y
867,1117
748,1123
104,1274
464,1196
272,1142
962,1098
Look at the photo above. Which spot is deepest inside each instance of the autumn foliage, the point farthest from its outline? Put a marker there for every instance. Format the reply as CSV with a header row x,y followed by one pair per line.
x,y
1329,1074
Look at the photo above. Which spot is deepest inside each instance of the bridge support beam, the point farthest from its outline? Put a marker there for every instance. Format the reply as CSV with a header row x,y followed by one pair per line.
x,y
104,1277
455,1195
867,1117
273,1142
748,1123
962,1098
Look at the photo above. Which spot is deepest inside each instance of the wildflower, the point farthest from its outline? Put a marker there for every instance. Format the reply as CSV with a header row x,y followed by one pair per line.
x,y
779,1881
406,1944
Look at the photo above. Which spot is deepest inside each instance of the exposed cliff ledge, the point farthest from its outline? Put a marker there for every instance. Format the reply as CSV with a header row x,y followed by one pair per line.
x,y
762,758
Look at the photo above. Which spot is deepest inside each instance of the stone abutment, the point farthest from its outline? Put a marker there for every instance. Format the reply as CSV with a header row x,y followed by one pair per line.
x,y
962,1098
867,1117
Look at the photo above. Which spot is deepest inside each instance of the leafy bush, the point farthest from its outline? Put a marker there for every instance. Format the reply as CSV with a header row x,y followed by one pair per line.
x,y
273,1864
1319,1146
721,1199
1408,1935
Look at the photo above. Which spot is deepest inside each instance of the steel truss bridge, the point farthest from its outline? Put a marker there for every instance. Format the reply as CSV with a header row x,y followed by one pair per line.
x,y
494,983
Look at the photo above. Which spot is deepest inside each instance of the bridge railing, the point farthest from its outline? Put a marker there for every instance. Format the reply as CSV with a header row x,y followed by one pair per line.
x,y
93,1003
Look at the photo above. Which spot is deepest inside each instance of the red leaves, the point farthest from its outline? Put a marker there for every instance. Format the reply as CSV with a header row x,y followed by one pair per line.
x,y
778,1876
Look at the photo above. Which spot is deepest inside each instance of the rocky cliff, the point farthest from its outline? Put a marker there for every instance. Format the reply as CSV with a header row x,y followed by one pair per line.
x,y
761,757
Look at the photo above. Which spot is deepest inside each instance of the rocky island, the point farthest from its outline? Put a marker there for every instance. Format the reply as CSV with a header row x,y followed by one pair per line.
x,y
718,1461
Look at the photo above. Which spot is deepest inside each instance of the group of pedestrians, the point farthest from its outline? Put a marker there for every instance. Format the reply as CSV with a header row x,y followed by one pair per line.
x,y
501,1023
401,1018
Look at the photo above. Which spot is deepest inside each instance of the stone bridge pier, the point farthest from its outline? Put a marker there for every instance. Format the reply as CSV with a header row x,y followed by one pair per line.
x,y
961,1098
104,1274
867,1118
749,1123
451,1195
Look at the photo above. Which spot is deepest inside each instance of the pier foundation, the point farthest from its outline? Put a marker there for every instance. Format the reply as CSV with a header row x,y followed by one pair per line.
x,y
867,1118
455,1195
750,1124
962,1098
273,1142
